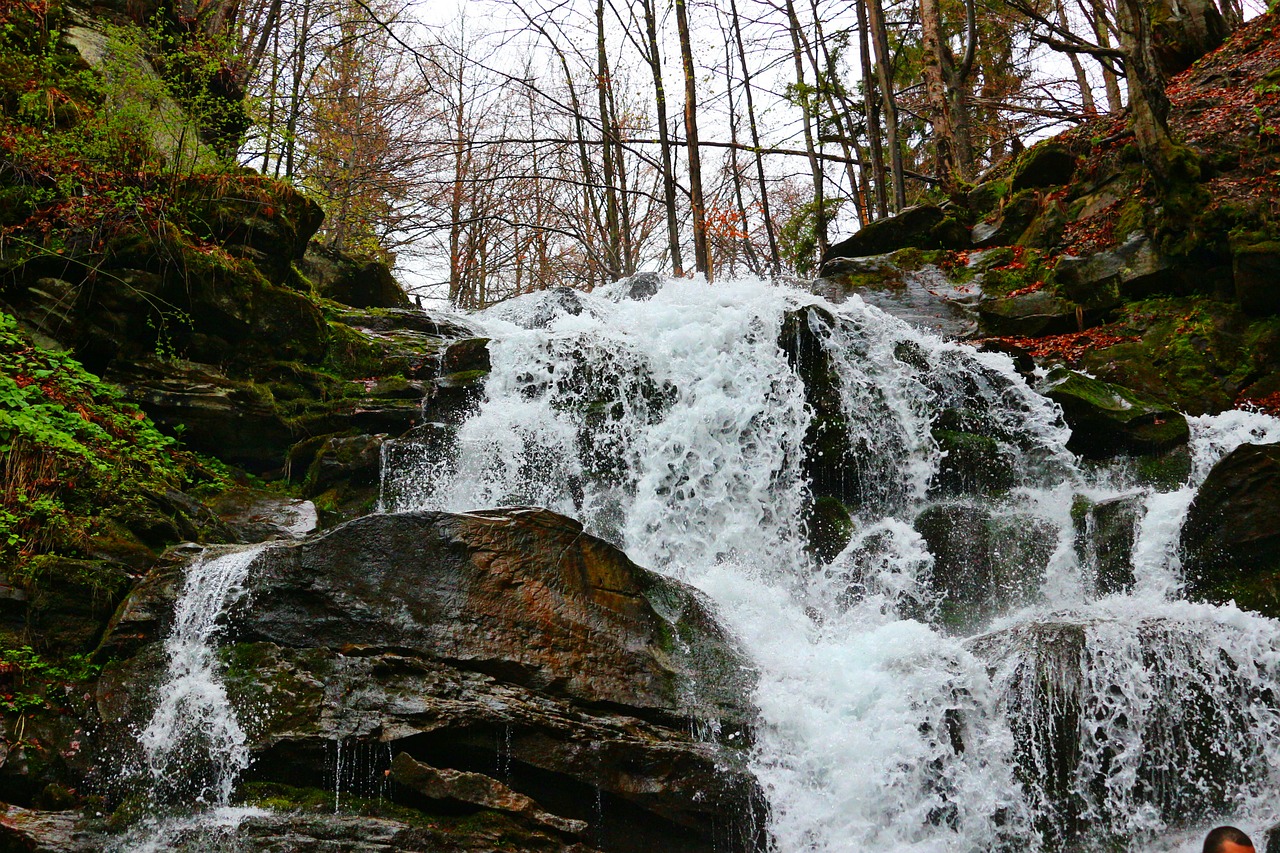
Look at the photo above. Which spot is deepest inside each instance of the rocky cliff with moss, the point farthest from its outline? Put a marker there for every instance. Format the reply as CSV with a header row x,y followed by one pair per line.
x,y
199,400
183,365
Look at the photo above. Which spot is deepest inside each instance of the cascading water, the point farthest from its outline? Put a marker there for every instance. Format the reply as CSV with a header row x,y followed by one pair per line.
x,y
1062,713
194,747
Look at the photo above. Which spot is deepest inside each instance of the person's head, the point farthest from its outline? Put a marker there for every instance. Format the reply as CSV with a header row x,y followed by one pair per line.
x,y
1227,839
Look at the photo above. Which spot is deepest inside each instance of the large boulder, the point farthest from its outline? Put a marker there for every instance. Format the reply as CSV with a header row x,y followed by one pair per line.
x,y
1133,270
505,639
984,562
1231,538
1048,164
1108,419
922,227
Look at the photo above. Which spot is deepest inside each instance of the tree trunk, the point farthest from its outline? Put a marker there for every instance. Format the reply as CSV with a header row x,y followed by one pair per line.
x,y
871,109
775,261
815,166
1148,103
701,253
884,75
654,59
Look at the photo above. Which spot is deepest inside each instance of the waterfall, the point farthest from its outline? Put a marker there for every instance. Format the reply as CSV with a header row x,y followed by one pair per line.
x,y
194,746
1055,710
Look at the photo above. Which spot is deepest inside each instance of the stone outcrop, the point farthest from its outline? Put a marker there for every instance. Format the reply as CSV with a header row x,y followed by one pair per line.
x,y
1230,540
1107,419
457,644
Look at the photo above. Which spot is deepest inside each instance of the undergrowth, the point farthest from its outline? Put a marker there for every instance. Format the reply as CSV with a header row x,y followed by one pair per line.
x,y
72,452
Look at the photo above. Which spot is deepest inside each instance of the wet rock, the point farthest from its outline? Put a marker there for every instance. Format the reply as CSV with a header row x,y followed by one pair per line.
x,y
1048,164
1256,267
256,516
34,831
913,227
983,562
1170,685
532,578
358,282
1105,534
488,832
1230,541
971,464
459,788
507,639
641,286
830,456
1107,419
829,528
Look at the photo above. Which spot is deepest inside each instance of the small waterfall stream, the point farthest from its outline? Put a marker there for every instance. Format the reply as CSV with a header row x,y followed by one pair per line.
x,y
194,746
1062,715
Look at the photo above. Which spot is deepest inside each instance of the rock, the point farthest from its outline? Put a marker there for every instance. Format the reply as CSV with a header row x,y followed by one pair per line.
x,y
474,791
316,830
69,602
33,831
1256,267
344,475
358,282
983,562
829,527
1187,748
1183,31
464,367
537,584
1022,360
1011,220
256,516
913,227
971,464
1231,541
508,639
830,459
1108,419
1105,534
641,286
1048,164
1133,270
238,421
1029,315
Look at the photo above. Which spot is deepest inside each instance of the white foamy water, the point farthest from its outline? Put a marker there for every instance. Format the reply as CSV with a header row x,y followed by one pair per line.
x,y
676,427
194,747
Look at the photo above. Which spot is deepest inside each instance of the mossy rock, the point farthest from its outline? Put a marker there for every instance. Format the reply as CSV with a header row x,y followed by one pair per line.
x,y
69,602
971,464
1199,353
1230,541
1256,271
913,227
1108,419
1010,220
1028,315
1048,164
986,197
